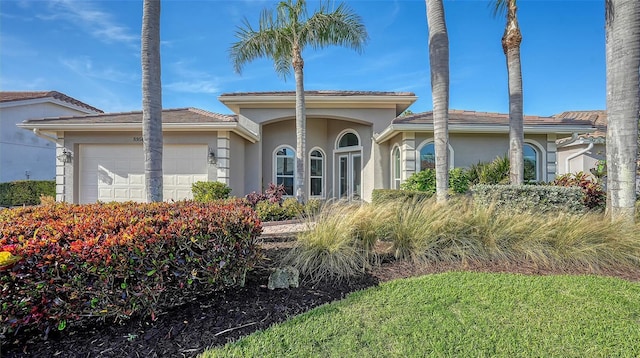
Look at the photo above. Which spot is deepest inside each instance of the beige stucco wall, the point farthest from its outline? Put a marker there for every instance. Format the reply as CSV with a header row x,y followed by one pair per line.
x,y
237,165
581,163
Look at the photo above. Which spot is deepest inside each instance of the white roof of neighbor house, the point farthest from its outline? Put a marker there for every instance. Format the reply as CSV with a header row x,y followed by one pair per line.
x,y
484,122
180,119
15,97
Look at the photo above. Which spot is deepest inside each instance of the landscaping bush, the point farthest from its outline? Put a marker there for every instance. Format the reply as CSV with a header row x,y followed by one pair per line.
x,y
271,206
494,172
425,180
533,198
207,191
594,196
82,263
383,195
25,192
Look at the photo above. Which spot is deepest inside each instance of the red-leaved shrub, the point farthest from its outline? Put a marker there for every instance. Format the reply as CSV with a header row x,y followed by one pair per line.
x,y
110,261
594,195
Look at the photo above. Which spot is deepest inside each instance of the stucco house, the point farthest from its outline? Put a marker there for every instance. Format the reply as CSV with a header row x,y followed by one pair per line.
x,y
581,151
356,141
24,155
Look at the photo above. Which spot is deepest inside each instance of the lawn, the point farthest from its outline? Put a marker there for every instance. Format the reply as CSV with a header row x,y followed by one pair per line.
x,y
463,314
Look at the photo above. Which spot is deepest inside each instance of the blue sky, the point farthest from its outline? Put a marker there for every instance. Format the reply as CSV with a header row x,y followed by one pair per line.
x,y
90,50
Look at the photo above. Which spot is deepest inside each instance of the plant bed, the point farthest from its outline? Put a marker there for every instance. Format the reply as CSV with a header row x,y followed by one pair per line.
x,y
214,320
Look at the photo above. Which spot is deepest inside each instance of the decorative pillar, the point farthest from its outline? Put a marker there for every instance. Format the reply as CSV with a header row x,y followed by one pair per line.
x,y
550,170
222,156
408,149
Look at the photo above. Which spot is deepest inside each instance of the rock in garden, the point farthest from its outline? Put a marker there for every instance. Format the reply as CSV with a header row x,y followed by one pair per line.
x,y
284,277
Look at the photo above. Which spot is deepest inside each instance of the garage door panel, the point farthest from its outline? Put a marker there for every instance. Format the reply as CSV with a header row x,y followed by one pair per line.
x,y
116,172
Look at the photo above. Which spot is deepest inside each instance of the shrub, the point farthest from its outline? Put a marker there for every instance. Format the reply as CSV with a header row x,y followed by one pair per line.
x,y
383,195
82,263
594,196
494,172
207,191
25,192
425,181
520,198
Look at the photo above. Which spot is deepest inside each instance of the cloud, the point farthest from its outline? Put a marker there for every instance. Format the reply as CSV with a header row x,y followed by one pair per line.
x,y
197,86
84,66
97,22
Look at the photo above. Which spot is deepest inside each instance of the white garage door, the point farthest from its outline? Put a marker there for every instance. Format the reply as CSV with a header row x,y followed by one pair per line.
x,y
116,172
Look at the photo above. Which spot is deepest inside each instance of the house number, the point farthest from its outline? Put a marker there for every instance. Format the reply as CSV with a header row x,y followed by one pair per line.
x,y
137,139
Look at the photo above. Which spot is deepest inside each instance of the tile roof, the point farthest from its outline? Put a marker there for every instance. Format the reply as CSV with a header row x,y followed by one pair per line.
x,y
597,118
11,96
177,115
488,118
320,93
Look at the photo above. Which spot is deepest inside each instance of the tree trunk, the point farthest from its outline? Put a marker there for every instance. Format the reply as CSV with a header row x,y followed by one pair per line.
x,y
439,63
511,45
151,100
623,105
301,126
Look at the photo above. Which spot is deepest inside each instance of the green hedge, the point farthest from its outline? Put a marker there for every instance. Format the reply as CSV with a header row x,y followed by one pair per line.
x,y
207,191
530,197
70,265
383,195
25,192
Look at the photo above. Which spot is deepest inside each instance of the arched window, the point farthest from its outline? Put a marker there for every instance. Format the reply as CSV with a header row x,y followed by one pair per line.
x,y
427,155
316,173
531,158
348,139
395,167
285,158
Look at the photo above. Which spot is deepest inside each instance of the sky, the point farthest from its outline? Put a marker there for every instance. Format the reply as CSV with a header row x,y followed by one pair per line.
x,y
90,50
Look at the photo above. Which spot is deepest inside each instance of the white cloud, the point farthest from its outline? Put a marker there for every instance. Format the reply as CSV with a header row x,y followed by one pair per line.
x,y
97,22
196,86
84,66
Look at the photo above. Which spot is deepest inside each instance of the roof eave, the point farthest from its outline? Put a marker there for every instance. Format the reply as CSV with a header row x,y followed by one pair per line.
x,y
393,129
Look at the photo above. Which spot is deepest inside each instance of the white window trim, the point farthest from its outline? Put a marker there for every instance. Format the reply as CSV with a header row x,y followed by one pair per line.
x,y
274,167
393,166
348,149
324,173
541,169
429,141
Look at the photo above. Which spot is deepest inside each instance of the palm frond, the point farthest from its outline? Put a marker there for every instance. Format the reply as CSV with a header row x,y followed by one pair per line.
x,y
499,7
341,27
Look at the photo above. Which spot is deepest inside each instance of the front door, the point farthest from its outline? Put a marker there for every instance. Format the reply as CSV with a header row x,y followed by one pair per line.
x,y
350,176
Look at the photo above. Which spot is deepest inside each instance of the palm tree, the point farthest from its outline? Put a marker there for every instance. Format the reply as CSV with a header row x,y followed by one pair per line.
x,y
622,26
439,64
151,100
282,36
511,45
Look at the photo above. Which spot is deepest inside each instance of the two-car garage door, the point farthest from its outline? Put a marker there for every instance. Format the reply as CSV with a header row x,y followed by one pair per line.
x,y
110,172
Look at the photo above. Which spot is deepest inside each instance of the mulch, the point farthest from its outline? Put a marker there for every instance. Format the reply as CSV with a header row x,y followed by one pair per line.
x,y
190,329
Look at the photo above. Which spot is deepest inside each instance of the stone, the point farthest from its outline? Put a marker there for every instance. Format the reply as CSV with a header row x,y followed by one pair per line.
x,y
284,277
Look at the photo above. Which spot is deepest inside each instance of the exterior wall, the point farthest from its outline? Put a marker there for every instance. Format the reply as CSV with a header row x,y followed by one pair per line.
x,y
237,165
23,155
67,180
583,162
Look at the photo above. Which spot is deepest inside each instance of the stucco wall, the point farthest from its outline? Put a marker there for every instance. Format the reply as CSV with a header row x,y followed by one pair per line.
x,y
581,163
23,155
237,165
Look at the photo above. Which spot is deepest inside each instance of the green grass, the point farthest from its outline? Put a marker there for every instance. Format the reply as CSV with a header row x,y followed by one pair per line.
x,y
463,314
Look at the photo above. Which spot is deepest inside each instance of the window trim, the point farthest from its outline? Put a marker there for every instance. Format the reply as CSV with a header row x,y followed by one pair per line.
x,y
541,159
336,147
322,177
396,167
274,168
430,141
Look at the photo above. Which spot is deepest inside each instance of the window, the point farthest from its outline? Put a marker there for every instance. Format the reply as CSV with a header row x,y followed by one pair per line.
x,y
285,159
348,139
316,171
427,155
395,167
530,156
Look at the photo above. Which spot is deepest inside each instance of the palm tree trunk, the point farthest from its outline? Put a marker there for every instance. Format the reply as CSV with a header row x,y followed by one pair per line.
x,y
301,125
623,105
439,63
151,100
511,45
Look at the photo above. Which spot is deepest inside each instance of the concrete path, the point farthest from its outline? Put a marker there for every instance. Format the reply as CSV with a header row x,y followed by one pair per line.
x,y
288,228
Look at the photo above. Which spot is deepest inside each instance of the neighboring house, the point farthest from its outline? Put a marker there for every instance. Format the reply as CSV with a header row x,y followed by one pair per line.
x,y
24,155
582,151
356,142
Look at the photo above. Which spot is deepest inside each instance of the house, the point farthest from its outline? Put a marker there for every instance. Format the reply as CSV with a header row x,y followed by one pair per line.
x,y
25,155
356,141
582,151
